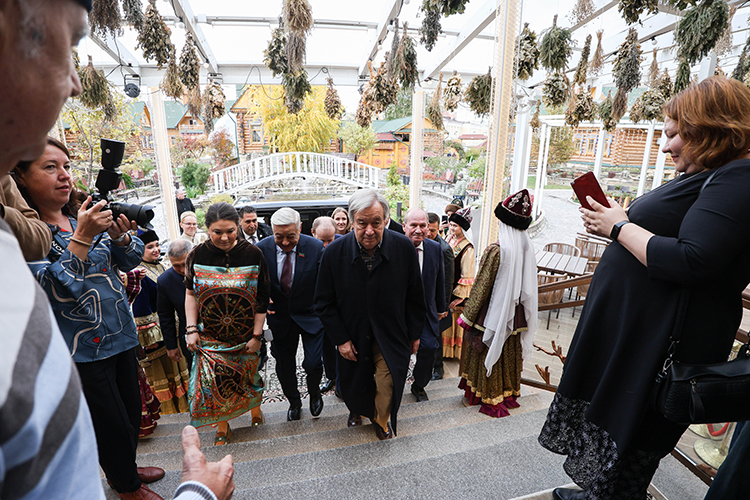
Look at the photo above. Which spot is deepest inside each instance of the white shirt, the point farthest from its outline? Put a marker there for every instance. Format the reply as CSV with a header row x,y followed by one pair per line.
x,y
280,256
420,254
251,238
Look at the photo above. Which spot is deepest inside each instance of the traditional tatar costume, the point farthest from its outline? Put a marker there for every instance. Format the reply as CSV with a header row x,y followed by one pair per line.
x,y
500,317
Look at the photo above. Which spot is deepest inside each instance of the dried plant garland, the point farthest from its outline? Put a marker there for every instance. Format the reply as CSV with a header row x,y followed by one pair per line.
x,y
296,46
682,80
636,111
620,104
743,64
154,38
95,86
555,48
366,107
556,90
293,105
434,112
111,113
298,16
190,65
700,29
406,60
334,108
597,62
583,109
582,10
133,10
664,85
681,4
627,66
194,101
580,76
275,53
208,119
392,56
605,113
217,99
653,72
535,123
447,7
652,103
430,29
479,93
104,18
384,89
631,10
172,84
528,53
453,92
296,88
725,43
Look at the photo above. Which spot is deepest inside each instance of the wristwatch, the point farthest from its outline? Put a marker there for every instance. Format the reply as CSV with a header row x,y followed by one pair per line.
x,y
616,229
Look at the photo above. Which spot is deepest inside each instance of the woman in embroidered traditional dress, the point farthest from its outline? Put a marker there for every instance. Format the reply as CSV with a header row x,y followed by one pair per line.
x,y
341,218
500,316
168,379
228,290
463,278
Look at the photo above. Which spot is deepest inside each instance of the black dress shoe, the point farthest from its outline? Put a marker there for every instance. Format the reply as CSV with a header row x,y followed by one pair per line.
x,y
381,434
316,404
436,375
328,385
420,394
354,420
294,413
568,494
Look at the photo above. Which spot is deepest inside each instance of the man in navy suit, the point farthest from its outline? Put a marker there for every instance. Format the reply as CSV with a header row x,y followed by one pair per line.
x,y
293,260
171,300
433,271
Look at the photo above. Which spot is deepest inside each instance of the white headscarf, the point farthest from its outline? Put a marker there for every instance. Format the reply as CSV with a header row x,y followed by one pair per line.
x,y
516,281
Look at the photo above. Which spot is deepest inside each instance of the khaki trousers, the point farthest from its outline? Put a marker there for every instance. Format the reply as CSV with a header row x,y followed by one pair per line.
x,y
383,388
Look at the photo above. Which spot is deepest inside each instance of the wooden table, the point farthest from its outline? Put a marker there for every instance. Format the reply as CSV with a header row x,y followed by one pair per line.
x,y
559,263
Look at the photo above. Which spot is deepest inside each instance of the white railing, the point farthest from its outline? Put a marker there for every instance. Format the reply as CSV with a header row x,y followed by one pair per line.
x,y
287,165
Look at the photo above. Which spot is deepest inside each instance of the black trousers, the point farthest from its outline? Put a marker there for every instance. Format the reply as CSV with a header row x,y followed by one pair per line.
x,y
329,358
114,398
284,350
423,367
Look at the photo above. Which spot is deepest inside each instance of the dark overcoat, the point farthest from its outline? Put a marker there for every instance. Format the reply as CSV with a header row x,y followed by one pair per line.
x,y
385,304
448,262
433,280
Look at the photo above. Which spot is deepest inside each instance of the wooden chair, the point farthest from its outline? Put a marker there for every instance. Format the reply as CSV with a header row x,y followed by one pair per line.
x,y
553,297
563,248
591,248
582,290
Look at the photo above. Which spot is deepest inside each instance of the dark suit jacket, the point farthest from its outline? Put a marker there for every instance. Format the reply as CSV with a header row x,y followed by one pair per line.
x,y
395,226
433,282
184,205
298,306
385,304
170,299
448,262
263,231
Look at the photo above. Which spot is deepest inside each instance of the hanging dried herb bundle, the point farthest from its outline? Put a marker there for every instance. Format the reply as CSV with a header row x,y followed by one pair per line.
x,y
555,48
535,122
76,60
275,54
664,85
528,53
190,65
105,18
636,111
583,109
746,81
597,62
556,90
700,29
171,84
430,29
296,88
620,104
718,71
216,98
479,93
580,76
154,38
583,10
366,107
334,108
605,113
627,65
652,102
406,60
384,89
208,119
434,112
295,51
682,80
453,92
632,9
298,16
392,56
653,72
133,13
725,43
447,7
95,86
681,4
194,101
743,64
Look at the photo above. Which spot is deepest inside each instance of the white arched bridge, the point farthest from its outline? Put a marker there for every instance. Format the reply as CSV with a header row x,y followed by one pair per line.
x,y
288,165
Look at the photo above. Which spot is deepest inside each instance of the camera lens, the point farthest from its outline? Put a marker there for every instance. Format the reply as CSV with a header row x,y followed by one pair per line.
x,y
141,214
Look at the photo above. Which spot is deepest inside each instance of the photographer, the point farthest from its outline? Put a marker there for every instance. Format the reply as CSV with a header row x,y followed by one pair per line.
x,y
81,279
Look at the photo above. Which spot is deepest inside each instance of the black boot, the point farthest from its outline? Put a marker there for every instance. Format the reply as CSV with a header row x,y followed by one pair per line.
x,y
568,494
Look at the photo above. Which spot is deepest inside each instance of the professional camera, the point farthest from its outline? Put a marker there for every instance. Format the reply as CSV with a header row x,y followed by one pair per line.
x,y
109,179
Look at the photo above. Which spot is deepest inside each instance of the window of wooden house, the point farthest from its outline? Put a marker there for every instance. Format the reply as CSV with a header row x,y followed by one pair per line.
x,y
255,134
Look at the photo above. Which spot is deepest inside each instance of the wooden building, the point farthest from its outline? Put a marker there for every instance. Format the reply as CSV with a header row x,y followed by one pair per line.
x,y
393,143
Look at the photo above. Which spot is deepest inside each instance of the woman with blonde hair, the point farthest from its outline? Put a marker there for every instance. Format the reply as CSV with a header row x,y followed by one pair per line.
x,y
341,218
189,225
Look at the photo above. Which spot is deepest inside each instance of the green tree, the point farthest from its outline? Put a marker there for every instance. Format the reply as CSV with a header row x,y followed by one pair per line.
x,y
395,192
195,176
402,106
476,168
561,146
358,140
222,148
309,130
457,146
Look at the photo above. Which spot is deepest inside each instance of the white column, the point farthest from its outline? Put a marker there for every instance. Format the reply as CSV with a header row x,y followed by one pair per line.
x,y
520,155
661,158
538,186
599,152
416,147
708,66
545,160
164,163
646,158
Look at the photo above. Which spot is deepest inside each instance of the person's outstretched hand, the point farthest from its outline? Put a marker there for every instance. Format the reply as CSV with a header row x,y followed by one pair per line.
x,y
218,476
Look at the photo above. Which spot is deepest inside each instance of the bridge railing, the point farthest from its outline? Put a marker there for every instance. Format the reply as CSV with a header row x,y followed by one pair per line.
x,y
288,165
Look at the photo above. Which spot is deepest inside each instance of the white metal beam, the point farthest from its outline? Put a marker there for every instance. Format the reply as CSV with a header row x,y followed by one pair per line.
x,y
390,10
118,52
185,12
481,19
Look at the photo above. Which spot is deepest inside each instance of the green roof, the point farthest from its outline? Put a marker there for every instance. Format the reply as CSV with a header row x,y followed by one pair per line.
x,y
381,126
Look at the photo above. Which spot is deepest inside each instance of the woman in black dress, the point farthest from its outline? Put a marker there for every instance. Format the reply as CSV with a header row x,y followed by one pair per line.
x,y
688,237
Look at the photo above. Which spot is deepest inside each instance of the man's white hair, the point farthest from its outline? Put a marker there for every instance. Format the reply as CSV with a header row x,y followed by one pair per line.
x,y
285,216
178,248
324,220
365,198
414,211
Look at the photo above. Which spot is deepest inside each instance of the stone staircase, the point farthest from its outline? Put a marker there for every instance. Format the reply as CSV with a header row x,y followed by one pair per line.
x,y
443,450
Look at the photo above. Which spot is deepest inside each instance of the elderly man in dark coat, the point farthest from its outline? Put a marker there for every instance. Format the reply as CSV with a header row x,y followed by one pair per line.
x,y
370,299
